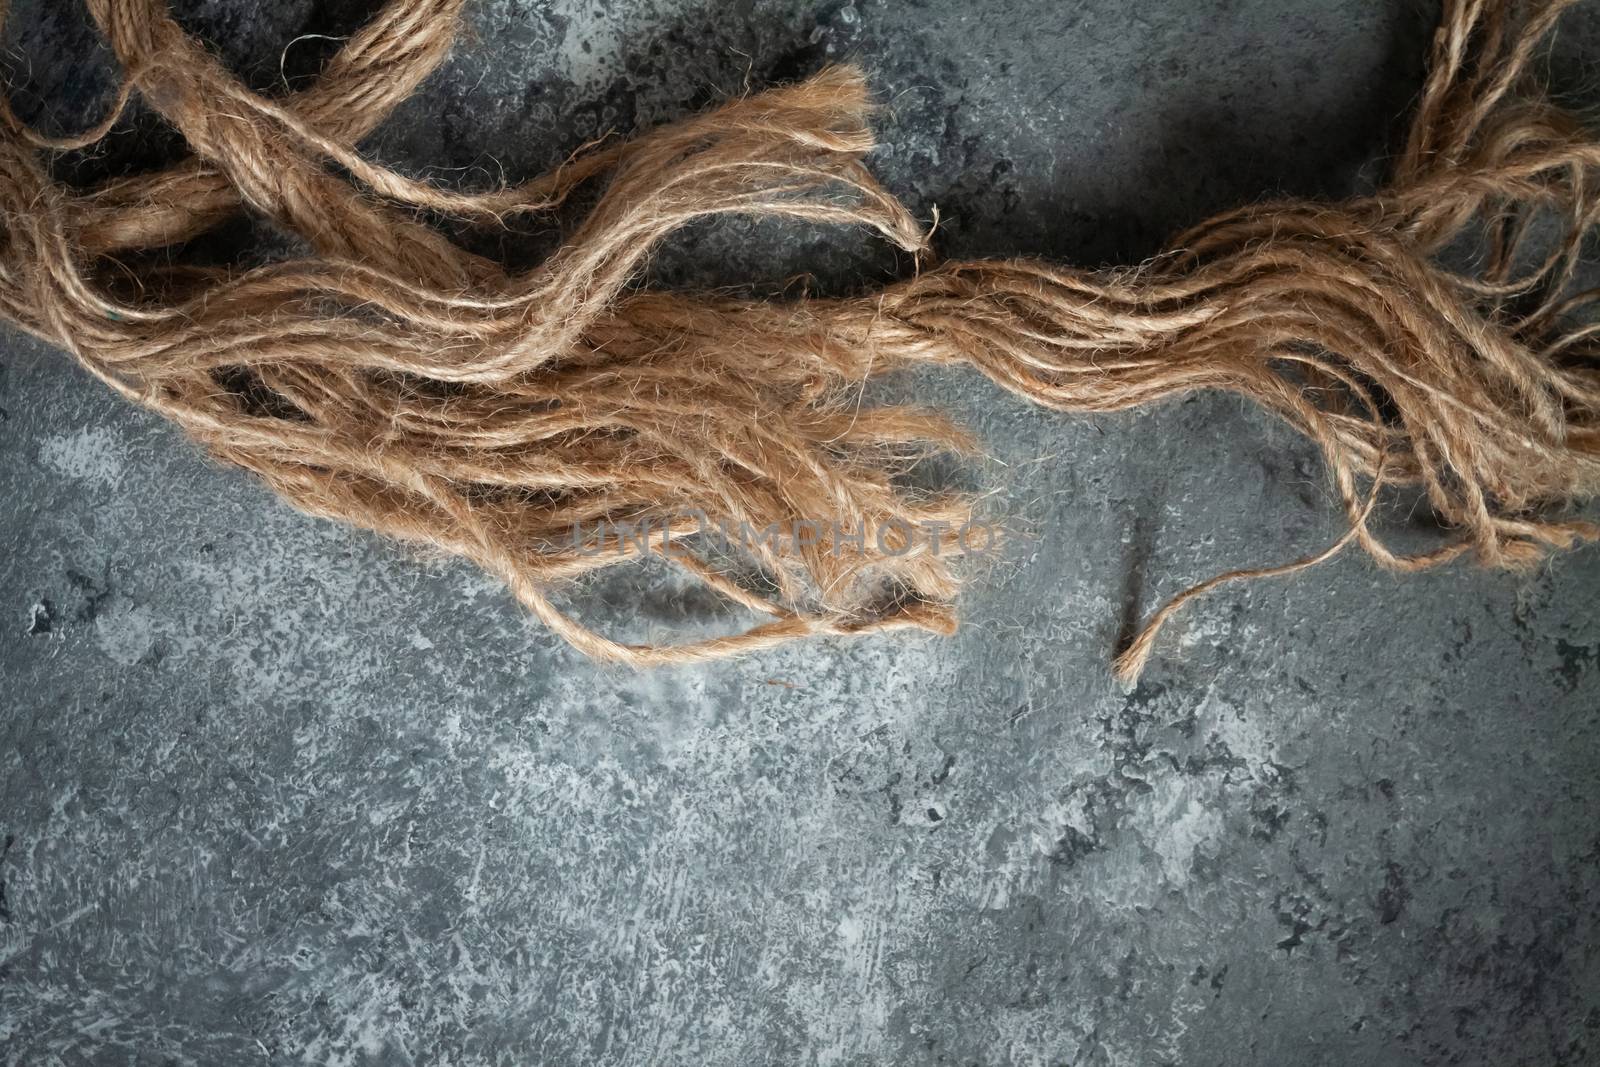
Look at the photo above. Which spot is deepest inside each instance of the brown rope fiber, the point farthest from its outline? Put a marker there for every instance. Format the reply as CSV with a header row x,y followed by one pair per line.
x,y
393,380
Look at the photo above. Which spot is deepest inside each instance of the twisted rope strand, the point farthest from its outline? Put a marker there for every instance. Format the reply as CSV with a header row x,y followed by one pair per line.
x,y
395,381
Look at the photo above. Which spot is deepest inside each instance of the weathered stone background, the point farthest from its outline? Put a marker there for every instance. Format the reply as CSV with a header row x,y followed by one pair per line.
x,y
272,791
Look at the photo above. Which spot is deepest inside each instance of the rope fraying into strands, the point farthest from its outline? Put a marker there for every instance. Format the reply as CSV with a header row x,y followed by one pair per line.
x,y
393,380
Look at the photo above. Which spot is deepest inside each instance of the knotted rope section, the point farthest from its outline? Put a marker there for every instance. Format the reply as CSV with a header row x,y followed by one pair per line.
x,y
393,380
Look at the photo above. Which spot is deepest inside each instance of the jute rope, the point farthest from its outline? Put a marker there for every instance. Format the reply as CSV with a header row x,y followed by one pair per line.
x,y
395,381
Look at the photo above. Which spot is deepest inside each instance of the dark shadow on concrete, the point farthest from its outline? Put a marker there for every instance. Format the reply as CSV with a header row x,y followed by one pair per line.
x,y
1136,562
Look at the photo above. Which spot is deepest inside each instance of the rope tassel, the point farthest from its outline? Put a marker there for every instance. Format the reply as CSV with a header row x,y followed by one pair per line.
x,y
393,380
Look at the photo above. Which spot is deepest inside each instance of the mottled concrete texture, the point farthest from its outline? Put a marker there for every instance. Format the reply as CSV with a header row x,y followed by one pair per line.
x,y
272,791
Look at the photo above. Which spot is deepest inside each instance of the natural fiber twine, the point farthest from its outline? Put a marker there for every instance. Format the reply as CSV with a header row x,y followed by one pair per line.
x,y
397,382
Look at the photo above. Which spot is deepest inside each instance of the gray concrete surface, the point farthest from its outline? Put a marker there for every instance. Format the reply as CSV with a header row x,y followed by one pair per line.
x,y
272,791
